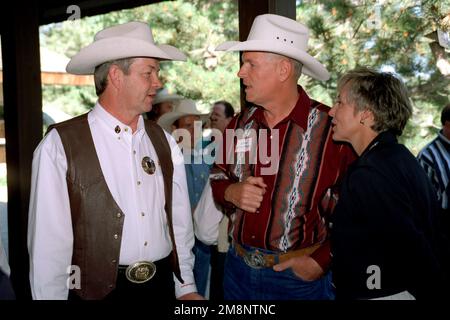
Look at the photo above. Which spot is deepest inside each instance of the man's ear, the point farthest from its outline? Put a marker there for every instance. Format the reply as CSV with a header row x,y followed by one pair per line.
x,y
284,69
446,129
115,76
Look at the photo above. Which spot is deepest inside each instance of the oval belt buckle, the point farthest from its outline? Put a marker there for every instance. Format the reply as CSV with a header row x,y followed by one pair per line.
x,y
255,260
140,272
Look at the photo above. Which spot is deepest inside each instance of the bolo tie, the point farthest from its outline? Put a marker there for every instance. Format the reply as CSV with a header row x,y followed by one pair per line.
x,y
148,165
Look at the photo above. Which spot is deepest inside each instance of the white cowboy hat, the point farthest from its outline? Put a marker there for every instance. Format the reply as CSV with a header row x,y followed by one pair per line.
x,y
185,107
281,35
132,39
163,95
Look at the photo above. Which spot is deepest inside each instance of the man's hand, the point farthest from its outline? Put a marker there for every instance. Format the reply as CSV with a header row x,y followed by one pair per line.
x,y
304,267
191,296
246,195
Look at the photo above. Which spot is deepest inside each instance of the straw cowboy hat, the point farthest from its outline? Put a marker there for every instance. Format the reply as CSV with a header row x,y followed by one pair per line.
x,y
185,107
132,39
281,35
163,95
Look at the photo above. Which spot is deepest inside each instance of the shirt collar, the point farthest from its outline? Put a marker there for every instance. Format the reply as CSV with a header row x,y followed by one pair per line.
x,y
443,138
112,122
383,137
299,114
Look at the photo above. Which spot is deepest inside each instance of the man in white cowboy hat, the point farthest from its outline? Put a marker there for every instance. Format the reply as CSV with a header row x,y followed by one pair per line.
x,y
164,102
186,111
185,123
279,230
210,224
103,223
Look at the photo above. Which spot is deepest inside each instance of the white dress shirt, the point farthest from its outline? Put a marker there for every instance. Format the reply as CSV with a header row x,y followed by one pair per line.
x,y
139,195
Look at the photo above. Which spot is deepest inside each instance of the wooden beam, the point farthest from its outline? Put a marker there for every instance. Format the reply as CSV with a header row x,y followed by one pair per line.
x,y
249,9
285,8
23,128
51,11
66,79
61,78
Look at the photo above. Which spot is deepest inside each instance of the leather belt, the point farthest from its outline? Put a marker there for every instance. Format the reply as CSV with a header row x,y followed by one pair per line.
x,y
257,259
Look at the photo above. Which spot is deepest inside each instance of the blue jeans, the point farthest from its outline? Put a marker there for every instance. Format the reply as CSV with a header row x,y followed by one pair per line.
x,y
242,282
202,254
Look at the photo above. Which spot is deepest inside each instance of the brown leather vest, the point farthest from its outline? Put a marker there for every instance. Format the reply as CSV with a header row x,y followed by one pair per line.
x,y
97,220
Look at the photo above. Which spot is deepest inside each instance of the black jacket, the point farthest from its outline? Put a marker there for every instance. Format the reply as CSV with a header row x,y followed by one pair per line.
x,y
385,225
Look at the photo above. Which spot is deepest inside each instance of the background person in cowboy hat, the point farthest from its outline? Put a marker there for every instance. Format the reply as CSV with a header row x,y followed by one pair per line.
x,y
280,248
102,184
210,224
164,102
186,122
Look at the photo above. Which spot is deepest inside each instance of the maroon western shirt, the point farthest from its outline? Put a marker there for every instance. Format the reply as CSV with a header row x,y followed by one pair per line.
x,y
292,215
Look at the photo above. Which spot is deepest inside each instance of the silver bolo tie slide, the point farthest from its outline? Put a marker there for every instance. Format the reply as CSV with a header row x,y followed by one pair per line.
x,y
148,165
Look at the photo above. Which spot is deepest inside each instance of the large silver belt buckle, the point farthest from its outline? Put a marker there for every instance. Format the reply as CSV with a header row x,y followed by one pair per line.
x,y
140,272
254,260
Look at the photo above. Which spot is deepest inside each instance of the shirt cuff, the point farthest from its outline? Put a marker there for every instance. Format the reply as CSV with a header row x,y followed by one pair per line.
x,y
184,288
218,190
